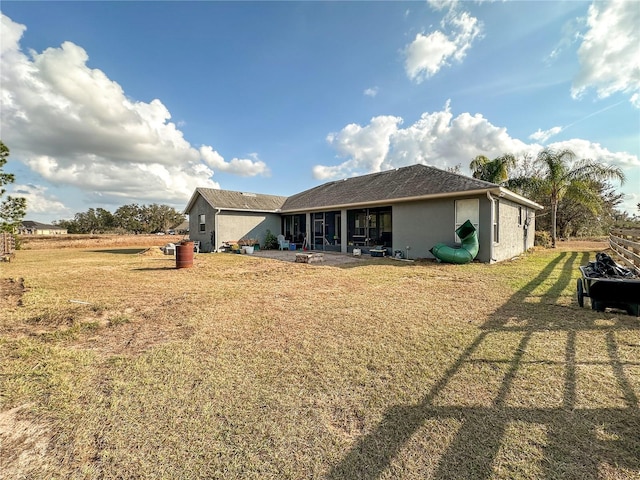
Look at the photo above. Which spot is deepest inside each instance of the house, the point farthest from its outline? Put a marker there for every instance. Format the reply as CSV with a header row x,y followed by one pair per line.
x,y
30,227
406,210
218,216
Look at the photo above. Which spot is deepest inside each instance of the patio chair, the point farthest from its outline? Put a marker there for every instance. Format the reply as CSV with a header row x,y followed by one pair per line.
x,y
282,243
196,246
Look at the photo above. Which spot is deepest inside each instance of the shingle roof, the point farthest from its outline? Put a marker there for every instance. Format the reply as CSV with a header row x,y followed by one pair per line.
x,y
402,183
230,200
40,226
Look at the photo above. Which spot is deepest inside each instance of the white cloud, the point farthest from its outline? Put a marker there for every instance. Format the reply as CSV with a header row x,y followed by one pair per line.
x,y
437,139
39,202
371,92
73,125
237,166
610,51
544,135
441,140
429,53
584,149
366,147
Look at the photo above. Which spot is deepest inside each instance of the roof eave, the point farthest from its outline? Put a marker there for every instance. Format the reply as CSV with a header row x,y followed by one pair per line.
x,y
498,191
506,193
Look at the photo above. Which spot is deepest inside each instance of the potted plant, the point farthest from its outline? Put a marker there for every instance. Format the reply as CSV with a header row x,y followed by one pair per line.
x,y
246,244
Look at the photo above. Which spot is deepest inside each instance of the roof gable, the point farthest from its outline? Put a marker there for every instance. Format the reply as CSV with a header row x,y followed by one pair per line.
x,y
401,183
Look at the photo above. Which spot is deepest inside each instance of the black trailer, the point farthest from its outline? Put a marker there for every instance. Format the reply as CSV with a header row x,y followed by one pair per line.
x,y
606,289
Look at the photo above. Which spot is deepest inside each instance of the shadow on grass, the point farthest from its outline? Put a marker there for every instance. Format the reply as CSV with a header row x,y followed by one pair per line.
x,y
121,251
578,439
155,269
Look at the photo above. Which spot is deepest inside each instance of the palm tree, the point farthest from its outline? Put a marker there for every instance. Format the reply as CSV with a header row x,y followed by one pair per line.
x,y
564,179
494,171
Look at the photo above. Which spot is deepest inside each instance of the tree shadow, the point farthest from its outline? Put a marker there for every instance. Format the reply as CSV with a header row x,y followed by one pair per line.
x,y
579,437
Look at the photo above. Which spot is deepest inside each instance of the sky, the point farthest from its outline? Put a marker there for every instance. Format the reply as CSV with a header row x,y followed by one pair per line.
x,y
105,104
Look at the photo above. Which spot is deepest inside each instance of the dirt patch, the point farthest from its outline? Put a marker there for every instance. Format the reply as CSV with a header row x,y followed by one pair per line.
x,y
11,291
23,443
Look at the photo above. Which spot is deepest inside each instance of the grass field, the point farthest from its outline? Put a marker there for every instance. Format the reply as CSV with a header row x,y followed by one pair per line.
x,y
114,364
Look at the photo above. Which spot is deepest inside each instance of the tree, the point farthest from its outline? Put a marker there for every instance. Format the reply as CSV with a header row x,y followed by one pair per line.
x,y
12,209
562,178
129,218
494,171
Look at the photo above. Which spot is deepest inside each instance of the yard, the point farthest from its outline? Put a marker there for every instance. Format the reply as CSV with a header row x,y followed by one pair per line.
x,y
114,364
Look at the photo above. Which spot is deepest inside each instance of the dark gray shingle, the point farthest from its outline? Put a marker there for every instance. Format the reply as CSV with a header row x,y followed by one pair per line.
x,y
226,199
398,184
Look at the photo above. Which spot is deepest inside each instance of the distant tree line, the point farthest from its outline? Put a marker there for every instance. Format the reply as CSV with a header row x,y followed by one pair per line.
x,y
134,218
576,194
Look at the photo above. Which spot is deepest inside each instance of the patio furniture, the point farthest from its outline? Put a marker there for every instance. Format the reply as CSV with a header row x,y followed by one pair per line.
x,y
282,243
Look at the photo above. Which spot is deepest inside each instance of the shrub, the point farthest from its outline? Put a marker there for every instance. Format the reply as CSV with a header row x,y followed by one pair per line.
x,y
542,239
270,241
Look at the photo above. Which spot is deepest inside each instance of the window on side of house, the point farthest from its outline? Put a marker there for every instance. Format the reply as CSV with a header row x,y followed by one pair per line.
x,y
496,221
468,209
202,222
520,216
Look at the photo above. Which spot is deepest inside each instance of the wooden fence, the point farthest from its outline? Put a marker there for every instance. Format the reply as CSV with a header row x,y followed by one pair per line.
x,y
626,243
7,246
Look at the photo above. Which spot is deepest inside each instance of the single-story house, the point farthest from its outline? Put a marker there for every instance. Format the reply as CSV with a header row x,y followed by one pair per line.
x,y
29,227
406,210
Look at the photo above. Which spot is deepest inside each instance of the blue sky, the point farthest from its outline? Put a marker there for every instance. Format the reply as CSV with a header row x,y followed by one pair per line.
x,y
111,103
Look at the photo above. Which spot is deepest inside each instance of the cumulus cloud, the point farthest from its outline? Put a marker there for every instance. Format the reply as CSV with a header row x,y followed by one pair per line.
x,y
609,54
238,166
544,135
442,140
73,125
39,201
429,53
437,138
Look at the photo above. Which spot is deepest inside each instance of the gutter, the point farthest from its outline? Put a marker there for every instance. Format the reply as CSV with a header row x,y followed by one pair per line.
x,y
492,201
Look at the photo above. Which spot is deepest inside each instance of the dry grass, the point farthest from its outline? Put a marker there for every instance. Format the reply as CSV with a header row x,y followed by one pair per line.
x,y
245,367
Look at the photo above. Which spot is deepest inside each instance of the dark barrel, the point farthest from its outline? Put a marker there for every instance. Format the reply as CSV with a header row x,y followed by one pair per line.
x,y
184,255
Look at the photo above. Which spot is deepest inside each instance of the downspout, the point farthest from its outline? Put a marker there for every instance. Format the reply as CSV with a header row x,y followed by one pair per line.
x,y
215,230
492,200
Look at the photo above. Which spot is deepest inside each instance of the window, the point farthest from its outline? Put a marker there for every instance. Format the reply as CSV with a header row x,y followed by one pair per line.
x,y
467,210
520,216
201,221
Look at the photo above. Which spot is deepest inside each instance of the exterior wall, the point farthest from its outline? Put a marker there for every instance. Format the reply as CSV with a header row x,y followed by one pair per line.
x,y
231,225
517,228
44,231
238,225
202,207
420,225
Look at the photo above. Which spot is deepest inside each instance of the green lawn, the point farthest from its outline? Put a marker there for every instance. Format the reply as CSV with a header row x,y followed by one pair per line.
x,y
244,367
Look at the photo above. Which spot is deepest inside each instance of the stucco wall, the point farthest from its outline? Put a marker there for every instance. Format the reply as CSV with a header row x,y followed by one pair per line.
x,y
420,225
231,225
515,236
239,225
200,207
